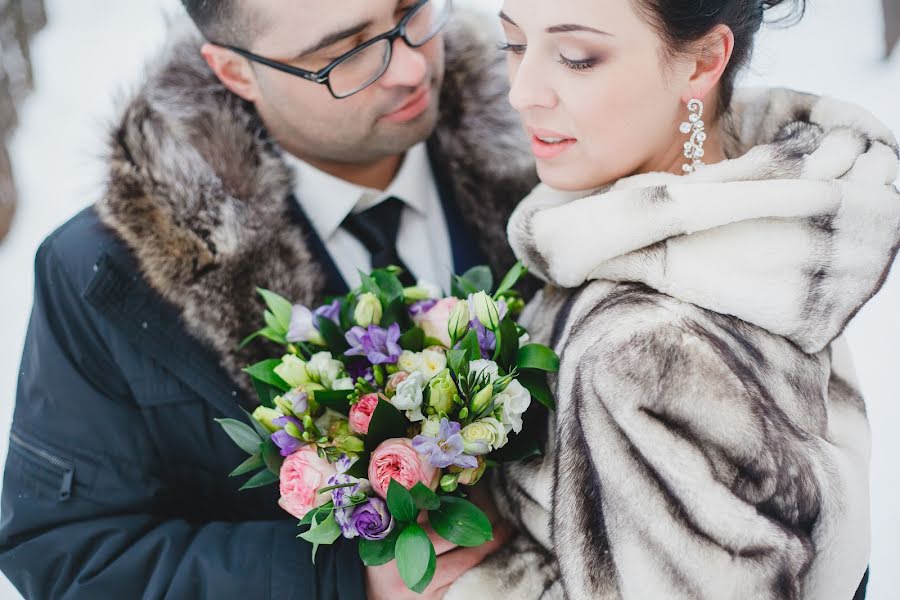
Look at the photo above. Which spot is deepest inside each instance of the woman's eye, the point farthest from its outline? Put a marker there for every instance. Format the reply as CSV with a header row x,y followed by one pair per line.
x,y
514,48
578,65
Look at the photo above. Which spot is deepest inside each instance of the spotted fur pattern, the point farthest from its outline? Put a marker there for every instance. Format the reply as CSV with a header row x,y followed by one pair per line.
x,y
710,440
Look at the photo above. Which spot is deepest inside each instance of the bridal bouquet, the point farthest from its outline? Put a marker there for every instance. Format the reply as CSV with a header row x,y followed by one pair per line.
x,y
388,402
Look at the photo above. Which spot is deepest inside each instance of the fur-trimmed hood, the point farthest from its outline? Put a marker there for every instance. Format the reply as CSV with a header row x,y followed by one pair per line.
x,y
199,192
794,234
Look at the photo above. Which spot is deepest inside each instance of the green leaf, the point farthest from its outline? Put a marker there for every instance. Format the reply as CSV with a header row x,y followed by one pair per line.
x,y
413,340
470,344
511,279
536,384
400,502
325,532
272,323
337,400
281,308
458,362
461,522
461,288
480,278
257,426
424,498
537,356
307,519
368,284
390,286
429,573
333,336
414,553
396,312
509,344
265,371
251,464
378,552
260,479
387,422
272,456
266,393
359,469
241,434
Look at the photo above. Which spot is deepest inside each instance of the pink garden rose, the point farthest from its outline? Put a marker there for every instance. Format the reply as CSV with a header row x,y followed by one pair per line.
x,y
302,474
396,459
361,413
434,321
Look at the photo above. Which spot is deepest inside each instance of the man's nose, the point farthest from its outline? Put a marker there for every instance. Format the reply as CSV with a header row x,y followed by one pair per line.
x,y
408,67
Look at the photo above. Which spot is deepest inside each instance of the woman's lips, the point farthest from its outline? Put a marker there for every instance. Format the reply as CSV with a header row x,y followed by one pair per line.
x,y
416,105
545,150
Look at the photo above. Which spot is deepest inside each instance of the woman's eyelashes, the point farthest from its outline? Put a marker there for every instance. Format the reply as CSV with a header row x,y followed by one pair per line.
x,y
575,65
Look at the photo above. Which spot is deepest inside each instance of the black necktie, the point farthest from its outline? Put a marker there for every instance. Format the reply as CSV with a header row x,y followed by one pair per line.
x,y
376,228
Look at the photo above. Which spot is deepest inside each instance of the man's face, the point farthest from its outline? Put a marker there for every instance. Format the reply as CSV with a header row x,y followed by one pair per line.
x,y
385,119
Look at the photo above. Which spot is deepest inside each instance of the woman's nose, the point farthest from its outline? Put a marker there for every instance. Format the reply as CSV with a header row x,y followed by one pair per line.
x,y
529,87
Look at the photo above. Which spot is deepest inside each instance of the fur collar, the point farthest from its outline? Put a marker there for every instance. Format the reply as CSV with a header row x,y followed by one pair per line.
x,y
794,235
198,191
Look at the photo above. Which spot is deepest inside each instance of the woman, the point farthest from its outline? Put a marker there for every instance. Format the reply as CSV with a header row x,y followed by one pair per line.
x,y
709,440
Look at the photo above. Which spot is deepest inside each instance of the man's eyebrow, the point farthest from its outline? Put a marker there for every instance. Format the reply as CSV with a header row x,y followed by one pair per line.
x,y
334,38
558,28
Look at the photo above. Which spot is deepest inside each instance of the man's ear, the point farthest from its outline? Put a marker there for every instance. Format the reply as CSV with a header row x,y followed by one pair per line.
x,y
713,55
233,70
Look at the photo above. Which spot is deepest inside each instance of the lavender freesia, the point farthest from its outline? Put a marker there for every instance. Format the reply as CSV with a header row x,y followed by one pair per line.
x,y
332,312
287,443
380,346
446,449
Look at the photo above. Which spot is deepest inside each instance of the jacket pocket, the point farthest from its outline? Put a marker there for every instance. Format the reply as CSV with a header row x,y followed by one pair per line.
x,y
44,472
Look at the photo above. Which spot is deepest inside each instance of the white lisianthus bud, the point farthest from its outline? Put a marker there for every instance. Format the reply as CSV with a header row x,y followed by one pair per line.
x,y
486,310
458,324
293,371
368,310
265,417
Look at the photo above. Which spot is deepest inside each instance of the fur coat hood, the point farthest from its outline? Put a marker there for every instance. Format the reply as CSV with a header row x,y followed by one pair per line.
x,y
793,234
199,192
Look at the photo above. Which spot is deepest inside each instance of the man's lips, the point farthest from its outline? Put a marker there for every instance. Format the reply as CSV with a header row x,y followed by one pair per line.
x,y
412,108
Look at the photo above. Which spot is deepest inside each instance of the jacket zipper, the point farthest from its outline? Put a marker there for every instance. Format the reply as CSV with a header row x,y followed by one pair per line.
x,y
65,489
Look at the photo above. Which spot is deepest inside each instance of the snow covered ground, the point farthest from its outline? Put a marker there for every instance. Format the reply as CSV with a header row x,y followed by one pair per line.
x,y
93,51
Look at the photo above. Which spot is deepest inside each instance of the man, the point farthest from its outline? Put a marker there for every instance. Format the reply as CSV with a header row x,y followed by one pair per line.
x,y
234,168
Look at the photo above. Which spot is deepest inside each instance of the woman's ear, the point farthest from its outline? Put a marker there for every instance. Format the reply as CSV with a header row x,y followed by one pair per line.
x,y
234,71
712,57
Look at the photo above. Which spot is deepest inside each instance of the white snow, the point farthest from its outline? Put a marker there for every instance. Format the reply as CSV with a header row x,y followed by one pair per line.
x,y
93,50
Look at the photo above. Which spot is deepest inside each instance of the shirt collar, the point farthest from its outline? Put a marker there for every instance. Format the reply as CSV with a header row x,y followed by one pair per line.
x,y
327,200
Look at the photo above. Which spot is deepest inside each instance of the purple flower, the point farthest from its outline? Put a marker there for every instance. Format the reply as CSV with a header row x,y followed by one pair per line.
x,y
376,344
372,520
332,312
421,307
343,506
487,341
446,449
360,368
299,402
285,441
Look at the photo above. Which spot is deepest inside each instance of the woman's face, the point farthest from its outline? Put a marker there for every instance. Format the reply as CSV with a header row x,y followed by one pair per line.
x,y
593,90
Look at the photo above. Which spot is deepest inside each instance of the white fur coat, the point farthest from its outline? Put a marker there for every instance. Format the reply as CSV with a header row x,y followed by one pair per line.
x,y
710,440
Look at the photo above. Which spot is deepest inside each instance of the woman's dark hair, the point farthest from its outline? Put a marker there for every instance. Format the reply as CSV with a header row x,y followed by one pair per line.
x,y
682,23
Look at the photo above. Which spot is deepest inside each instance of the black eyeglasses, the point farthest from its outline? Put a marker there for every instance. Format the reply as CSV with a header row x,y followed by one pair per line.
x,y
362,66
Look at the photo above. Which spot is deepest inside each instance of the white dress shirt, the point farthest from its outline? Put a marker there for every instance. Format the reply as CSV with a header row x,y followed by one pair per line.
x,y
423,241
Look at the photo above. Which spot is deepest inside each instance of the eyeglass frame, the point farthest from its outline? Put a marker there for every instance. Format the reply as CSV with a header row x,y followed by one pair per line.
x,y
323,76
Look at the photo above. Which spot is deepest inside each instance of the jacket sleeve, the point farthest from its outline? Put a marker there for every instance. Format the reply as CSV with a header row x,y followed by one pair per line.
x,y
84,509
678,473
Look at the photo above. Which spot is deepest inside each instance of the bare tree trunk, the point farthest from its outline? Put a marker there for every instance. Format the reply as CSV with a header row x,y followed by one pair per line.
x,y
891,25
19,21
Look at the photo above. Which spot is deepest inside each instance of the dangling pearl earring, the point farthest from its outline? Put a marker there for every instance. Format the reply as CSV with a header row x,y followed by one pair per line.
x,y
693,148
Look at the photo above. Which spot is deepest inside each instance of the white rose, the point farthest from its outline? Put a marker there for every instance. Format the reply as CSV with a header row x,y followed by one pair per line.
x,y
409,361
324,368
344,383
513,402
409,396
432,363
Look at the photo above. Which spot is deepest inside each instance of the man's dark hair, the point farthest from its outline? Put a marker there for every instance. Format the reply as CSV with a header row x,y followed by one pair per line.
x,y
222,21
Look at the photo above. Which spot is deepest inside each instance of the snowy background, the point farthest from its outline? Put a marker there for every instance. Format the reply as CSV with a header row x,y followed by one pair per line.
x,y
92,52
